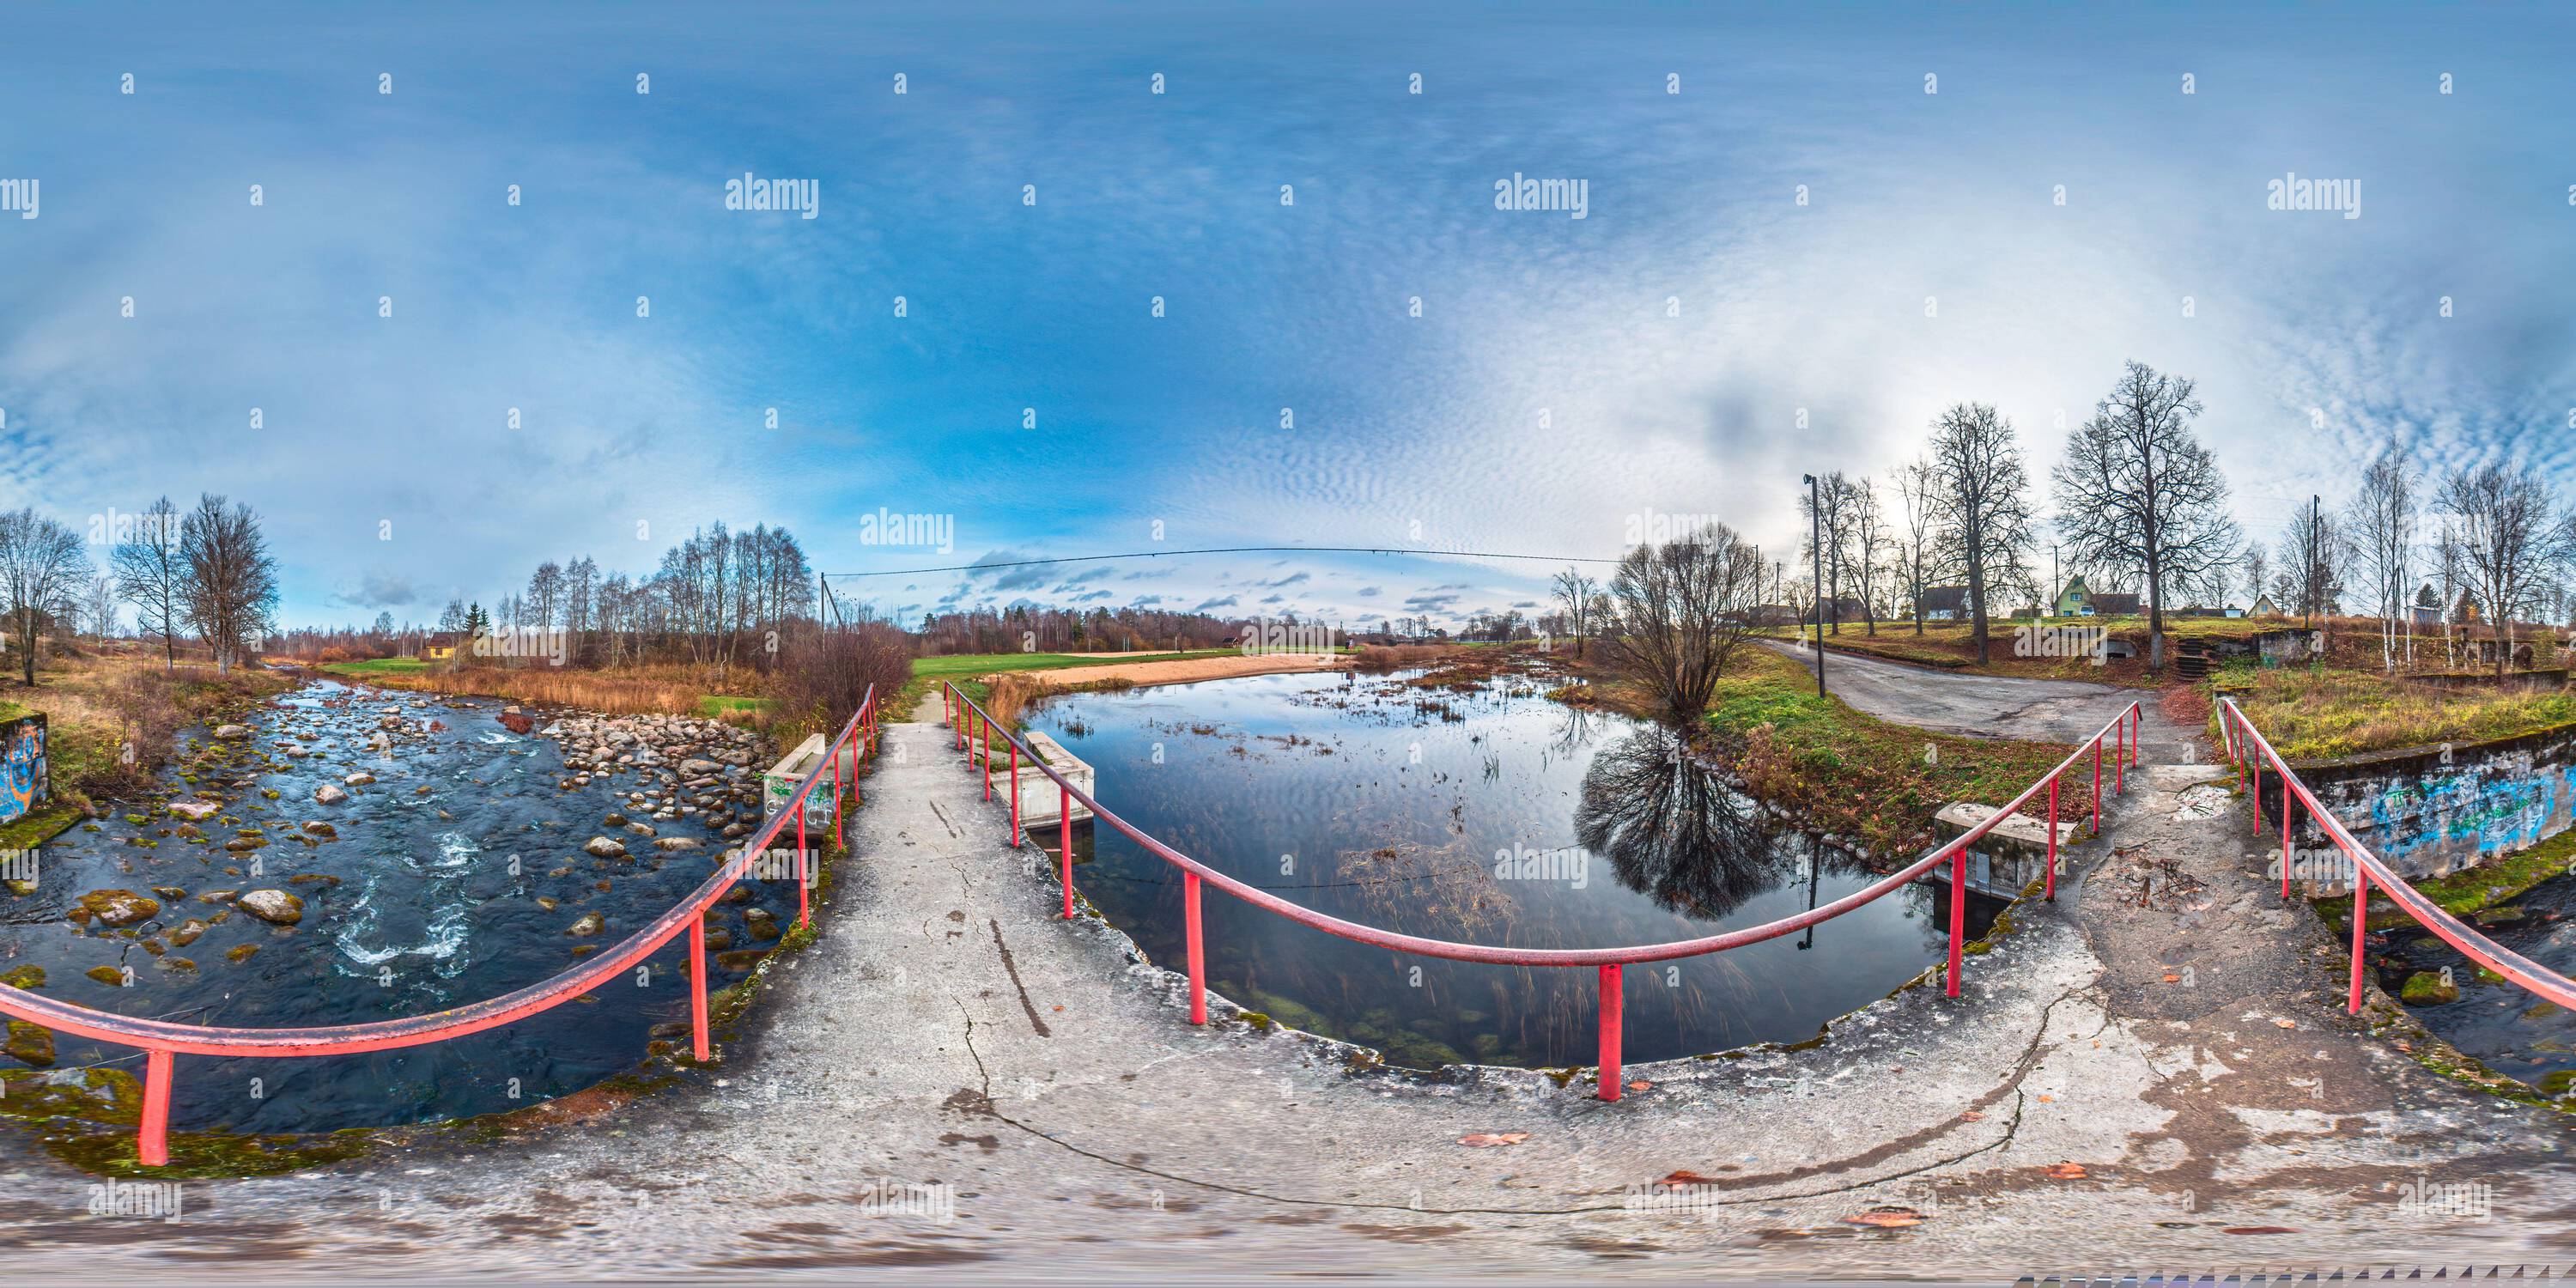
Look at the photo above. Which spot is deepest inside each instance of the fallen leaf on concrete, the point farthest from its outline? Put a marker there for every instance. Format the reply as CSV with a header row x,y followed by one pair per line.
x,y
1641,1085
2048,1100
2066,1172
2173,979
1887,1218
2285,1024
1973,1116
1485,1139
1685,1176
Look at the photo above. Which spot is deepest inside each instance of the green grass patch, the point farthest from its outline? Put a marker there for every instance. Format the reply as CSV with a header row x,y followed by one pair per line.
x,y
963,668
715,706
379,666
1843,771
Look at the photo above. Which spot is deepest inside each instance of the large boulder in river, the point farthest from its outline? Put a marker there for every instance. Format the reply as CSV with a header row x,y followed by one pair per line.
x,y
273,906
329,794
195,810
515,722
605,847
119,907
231,732
590,924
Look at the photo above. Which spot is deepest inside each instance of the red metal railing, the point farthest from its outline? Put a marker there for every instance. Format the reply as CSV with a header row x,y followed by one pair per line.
x,y
162,1040
974,725
2248,749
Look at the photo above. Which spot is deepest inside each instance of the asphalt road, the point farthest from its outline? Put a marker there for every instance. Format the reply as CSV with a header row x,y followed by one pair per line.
x,y
1989,706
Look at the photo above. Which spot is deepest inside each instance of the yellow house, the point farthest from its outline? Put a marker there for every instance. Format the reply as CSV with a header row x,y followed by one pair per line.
x,y
439,647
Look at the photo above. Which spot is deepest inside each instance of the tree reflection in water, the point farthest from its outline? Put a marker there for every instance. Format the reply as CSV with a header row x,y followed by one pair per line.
x,y
1671,829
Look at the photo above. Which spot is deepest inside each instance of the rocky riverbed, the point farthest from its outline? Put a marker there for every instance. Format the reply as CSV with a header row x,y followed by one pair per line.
x,y
346,855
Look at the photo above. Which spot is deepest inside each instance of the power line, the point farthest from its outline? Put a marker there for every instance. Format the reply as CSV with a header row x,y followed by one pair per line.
x,y
1229,550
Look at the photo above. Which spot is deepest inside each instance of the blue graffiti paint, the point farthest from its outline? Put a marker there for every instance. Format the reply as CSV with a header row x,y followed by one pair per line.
x,y
22,766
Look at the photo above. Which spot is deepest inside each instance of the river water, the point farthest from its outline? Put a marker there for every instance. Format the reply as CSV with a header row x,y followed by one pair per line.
x,y
1488,815
2515,1033
429,897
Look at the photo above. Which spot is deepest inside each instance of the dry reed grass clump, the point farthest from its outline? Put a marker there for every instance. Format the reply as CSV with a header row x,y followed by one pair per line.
x,y
642,691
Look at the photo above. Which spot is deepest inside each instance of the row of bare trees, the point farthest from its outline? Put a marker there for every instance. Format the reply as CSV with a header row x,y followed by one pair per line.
x,y
205,574
719,599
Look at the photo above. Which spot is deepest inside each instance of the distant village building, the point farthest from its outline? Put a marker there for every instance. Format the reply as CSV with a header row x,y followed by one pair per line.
x,y
2263,607
2074,601
1839,609
1774,615
2118,605
439,647
1945,603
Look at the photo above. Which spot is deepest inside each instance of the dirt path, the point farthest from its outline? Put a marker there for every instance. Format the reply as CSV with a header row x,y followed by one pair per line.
x,y
953,1083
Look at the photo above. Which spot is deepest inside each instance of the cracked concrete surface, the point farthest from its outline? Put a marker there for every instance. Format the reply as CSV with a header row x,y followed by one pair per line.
x,y
948,1029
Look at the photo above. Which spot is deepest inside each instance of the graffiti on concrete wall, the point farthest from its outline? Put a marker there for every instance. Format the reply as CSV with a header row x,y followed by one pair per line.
x,y
2451,818
22,766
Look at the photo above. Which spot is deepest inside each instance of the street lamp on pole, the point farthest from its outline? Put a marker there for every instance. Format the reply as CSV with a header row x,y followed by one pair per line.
x,y
1816,540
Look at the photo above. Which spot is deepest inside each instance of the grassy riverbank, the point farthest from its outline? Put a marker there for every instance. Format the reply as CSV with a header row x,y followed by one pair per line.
x,y
96,707
2320,713
1838,770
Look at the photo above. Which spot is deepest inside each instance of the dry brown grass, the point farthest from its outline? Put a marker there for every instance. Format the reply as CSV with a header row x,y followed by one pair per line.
x,y
651,690
2323,713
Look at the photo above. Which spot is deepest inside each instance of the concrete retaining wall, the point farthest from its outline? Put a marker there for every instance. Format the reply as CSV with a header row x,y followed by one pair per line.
x,y
2434,810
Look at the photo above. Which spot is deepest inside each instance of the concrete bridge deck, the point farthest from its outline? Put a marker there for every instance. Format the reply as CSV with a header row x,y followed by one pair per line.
x,y
2188,1052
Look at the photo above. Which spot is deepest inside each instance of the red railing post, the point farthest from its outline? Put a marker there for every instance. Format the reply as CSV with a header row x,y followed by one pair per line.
x,y
698,983
2288,800
1198,960
2137,729
1611,1000
2120,759
804,877
1958,913
1015,793
2097,784
152,1135
2052,838
2360,924
2255,758
984,761
1064,839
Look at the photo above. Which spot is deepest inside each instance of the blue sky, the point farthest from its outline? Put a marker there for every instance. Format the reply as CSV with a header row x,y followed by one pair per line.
x,y
1562,376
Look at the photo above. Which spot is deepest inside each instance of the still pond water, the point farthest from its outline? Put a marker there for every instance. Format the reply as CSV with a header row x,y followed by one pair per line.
x,y
1490,816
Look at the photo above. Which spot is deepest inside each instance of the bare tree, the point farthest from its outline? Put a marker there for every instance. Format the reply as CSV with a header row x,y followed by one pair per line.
x,y
231,582
150,575
1980,500
99,606
1921,557
1679,612
1829,522
1870,546
2138,493
1576,591
2258,575
2382,521
2512,541
40,563
2316,555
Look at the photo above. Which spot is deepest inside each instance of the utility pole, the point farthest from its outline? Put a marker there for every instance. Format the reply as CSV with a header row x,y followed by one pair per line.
x,y
2050,608
1816,541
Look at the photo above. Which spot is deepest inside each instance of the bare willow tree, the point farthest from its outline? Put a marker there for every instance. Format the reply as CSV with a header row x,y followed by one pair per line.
x,y
1679,611
2382,519
2512,540
1980,500
2138,493
1921,555
150,575
231,583
1576,592
40,566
